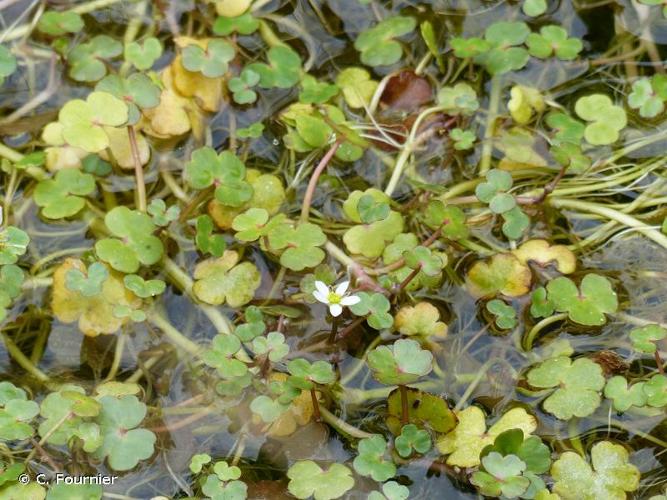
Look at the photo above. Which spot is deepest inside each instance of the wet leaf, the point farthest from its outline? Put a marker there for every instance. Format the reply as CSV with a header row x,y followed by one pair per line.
x,y
543,253
373,460
124,444
283,70
610,475
143,55
578,386
377,45
412,438
644,339
13,244
223,279
134,243
553,40
309,479
623,395
465,443
94,314
60,23
62,196
502,273
406,91
357,86
586,305
422,319
607,119
424,409
404,362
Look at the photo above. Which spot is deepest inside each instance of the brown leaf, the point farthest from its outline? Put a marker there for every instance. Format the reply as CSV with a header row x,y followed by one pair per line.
x,y
406,91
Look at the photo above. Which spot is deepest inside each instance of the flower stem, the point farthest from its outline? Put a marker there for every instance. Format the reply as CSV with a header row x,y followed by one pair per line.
x,y
334,330
316,405
312,184
138,170
487,149
405,416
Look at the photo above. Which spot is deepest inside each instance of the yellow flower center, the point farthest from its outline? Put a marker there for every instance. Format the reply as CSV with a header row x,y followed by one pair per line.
x,y
334,298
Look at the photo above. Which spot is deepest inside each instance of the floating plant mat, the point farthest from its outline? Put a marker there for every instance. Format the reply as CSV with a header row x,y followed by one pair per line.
x,y
333,249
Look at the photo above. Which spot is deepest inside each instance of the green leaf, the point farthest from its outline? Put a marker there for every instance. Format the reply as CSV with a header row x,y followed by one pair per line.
x,y
62,196
607,119
161,215
211,62
465,443
283,70
553,40
622,395
82,122
515,223
402,363
376,306
225,170
493,191
412,438
124,445
245,24
644,338
505,315
299,245
206,241
540,305
610,475
578,385
221,356
501,475
534,8
13,244
377,45
450,219
89,284
463,139
60,23
460,99
137,91
143,288
655,390
87,59
142,55
424,410
315,92
373,460
304,375
241,85
503,273
198,461
135,245
586,305
309,479
220,280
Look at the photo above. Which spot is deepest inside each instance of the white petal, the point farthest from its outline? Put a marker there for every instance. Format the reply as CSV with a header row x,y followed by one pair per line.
x,y
335,309
322,288
322,298
350,300
342,288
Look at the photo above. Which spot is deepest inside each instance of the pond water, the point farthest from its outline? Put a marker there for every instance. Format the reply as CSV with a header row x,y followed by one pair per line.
x,y
185,185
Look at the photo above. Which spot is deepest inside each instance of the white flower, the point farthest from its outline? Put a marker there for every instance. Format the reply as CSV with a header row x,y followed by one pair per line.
x,y
336,298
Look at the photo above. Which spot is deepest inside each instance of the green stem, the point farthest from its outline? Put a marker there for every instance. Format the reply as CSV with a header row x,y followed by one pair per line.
x,y
487,148
528,340
173,334
85,8
117,357
342,426
473,385
614,215
23,360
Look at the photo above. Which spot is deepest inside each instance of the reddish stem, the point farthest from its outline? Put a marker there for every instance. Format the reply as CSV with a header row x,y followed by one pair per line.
x,y
316,405
405,417
658,361
312,184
